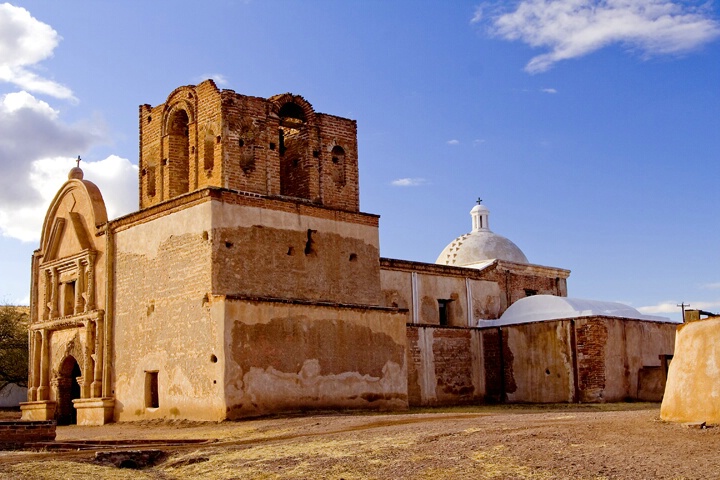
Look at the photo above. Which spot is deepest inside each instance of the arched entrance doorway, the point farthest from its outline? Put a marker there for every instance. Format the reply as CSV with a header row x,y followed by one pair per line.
x,y
68,389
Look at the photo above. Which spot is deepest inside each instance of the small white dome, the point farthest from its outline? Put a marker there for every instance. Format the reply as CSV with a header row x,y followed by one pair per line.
x,y
480,245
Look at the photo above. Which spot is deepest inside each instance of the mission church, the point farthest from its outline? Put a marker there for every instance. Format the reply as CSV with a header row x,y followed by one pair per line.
x,y
249,282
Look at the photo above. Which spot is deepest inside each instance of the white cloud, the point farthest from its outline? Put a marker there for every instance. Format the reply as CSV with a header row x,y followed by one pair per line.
x,y
116,177
24,42
478,141
548,90
673,307
574,28
409,182
31,130
37,151
477,15
219,79
453,142
711,286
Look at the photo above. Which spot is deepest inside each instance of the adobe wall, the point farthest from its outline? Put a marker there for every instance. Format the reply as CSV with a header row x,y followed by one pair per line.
x,y
630,352
538,362
165,318
586,359
445,366
282,249
518,281
292,355
418,287
693,385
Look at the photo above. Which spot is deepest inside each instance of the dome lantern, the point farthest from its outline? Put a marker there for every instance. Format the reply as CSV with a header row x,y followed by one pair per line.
x,y
481,245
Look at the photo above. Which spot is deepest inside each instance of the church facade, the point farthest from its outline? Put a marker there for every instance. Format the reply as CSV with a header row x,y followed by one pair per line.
x,y
249,282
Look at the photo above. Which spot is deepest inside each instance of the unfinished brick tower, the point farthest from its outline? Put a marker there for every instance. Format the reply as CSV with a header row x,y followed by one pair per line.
x,y
203,137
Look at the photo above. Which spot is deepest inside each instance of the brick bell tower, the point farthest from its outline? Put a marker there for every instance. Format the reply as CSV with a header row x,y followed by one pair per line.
x,y
277,147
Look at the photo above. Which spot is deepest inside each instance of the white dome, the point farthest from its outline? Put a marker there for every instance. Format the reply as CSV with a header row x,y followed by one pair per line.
x,y
480,245
540,308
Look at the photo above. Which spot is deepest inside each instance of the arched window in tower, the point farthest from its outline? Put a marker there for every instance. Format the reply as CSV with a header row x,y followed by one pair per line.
x,y
337,166
293,145
209,151
179,152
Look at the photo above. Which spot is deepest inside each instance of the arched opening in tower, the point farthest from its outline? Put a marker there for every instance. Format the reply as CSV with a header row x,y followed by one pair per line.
x,y
179,153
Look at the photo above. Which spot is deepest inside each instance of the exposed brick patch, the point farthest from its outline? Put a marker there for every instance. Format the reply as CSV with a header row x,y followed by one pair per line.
x,y
492,363
453,365
17,434
510,385
591,337
413,362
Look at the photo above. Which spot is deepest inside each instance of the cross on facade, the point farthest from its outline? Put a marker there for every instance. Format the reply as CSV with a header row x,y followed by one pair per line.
x,y
78,161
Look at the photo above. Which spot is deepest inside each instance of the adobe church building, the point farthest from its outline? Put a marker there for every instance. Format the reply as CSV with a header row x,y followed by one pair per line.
x,y
249,282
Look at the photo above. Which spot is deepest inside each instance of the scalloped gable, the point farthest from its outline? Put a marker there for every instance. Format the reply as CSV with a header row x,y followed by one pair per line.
x,y
75,212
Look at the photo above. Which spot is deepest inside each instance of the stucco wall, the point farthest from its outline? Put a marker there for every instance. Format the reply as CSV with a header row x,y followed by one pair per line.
x,y
283,252
294,356
586,359
692,393
397,290
541,362
629,351
164,320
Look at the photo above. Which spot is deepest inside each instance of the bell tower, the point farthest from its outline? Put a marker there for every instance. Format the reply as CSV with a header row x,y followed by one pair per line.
x,y
204,137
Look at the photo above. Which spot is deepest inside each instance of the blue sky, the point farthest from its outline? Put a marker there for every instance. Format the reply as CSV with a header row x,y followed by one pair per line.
x,y
591,129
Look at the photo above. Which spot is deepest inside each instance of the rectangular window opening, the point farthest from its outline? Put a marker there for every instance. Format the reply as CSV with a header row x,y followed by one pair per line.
x,y
529,292
68,298
151,390
444,311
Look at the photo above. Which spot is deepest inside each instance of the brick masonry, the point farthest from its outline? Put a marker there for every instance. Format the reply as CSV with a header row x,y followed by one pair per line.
x,y
202,137
17,434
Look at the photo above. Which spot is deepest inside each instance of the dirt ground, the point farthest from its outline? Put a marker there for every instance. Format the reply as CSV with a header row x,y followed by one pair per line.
x,y
501,442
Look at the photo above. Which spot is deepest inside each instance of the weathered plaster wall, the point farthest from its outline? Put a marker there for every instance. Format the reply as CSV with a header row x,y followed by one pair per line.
x,y
165,320
616,358
586,359
516,281
692,393
416,285
541,362
445,365
397,290
270,248
294,356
